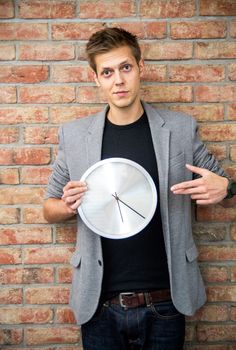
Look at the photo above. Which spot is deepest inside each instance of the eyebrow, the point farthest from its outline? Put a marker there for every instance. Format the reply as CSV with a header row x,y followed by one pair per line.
x,y
120,64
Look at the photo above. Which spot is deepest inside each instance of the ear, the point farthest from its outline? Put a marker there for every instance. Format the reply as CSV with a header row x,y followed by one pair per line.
x,y
141,66
95,77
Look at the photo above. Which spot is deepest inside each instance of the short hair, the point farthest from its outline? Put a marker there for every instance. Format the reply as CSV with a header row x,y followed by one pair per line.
x,y
107,39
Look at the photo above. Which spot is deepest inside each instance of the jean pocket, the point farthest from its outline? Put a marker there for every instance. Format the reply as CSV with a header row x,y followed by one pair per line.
x,y
165,310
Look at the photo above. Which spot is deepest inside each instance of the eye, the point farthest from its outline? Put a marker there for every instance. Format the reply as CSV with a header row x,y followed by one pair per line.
x,y
127,67
106,73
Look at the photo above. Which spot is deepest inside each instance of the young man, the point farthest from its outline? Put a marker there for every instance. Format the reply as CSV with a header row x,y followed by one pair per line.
x,y
133,293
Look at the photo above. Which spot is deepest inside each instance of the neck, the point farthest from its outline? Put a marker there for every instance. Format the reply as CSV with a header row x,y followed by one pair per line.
x,y
125,115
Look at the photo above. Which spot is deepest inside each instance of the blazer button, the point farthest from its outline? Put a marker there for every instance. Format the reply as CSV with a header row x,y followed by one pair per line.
x,y
99,262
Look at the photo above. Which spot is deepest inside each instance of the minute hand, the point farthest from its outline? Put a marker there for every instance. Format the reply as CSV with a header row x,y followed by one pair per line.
x,y
130,207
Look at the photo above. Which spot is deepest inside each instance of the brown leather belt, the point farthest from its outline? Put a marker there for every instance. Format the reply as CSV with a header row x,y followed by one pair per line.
x,y
130,300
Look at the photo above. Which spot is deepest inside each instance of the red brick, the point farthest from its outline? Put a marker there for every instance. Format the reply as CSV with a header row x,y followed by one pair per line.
x,y
23,31
66,113
221,293
233,153
217,253
215,50
47,295
144,30
23,74
217,8
9,216
216,333
106,9
218,132
35,175
46,52
198,30
74,31
231,170
21,195
19,275
17,115
189,332
7,52
195,73
209,233
47,255
6,9
233,29
25,235
11,336
155,73
10,256
216,213
211,313
219,151
71,74
11,295
233,232
47,9
9,176
215,274
9,135
66,234
167,93
232,111
19,315
47,94
64,274
219,93
232,71
41,135
65,315
33,216
7,94
233,273
165,9
167,50
233,313
69,334
25,156
205,112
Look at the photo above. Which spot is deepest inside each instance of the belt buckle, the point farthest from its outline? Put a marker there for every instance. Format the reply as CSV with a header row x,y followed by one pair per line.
x,y
121,298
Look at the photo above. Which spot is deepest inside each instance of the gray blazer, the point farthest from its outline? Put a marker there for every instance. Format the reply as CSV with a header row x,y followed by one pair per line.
x,y
176,143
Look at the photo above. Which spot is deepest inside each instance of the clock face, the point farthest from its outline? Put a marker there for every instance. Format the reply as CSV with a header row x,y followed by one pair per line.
x,y
121,198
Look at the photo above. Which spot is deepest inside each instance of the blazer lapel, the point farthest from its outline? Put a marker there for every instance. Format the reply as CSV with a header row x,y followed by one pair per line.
x,y
161,138
94,138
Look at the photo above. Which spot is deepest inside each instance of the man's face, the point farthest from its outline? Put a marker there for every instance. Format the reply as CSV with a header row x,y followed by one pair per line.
x,y
118,75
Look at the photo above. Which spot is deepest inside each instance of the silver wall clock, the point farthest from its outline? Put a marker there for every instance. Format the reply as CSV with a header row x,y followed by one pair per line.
x,y
121,198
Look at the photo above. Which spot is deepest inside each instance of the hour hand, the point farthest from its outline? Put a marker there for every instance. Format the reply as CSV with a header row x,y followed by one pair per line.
x,y
119,200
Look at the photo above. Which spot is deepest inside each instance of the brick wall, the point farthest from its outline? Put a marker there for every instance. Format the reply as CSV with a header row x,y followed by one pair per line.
x,y
190,49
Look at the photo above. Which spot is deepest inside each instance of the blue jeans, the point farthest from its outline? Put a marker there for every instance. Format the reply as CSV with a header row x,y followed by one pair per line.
x,y
156,327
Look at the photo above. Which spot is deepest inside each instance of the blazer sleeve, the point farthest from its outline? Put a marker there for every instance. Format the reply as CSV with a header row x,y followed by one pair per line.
x,y
60,174
201,156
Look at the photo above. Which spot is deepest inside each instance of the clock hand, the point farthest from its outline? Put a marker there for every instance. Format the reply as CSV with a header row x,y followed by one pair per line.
x,y
118,199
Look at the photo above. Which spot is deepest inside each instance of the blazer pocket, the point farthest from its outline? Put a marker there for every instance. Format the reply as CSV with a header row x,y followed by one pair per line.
x,y
177,160
191,253
75,259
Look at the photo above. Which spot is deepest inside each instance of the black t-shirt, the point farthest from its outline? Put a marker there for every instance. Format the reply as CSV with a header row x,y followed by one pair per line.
x,y
137,263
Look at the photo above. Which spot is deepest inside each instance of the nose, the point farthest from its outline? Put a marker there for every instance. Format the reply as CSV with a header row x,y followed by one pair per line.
x,y
118,78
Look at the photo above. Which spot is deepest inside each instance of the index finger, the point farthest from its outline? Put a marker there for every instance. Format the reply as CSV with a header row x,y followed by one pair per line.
x,y
73,184
186,184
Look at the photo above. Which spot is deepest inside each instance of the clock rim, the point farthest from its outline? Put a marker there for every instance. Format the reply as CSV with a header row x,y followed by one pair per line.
x,y
147,177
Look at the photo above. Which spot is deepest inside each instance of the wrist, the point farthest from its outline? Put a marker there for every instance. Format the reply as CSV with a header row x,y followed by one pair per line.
x,y
231,188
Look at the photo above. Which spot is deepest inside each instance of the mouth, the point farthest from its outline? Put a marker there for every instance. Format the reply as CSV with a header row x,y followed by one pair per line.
x,y
120,93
